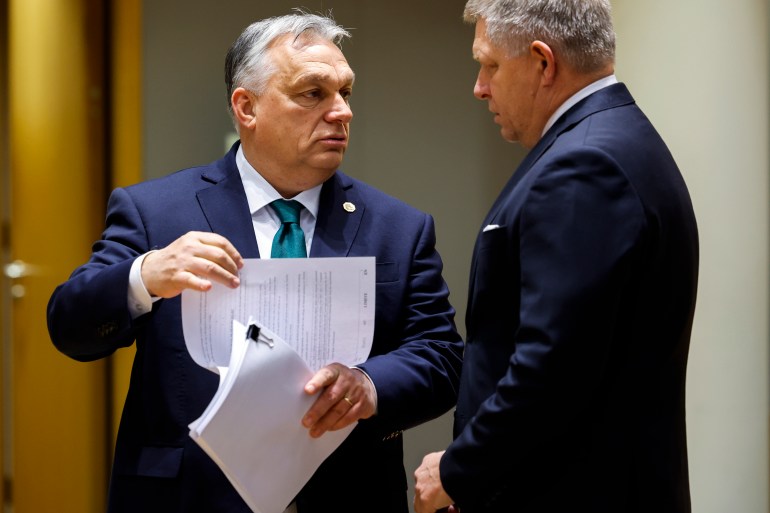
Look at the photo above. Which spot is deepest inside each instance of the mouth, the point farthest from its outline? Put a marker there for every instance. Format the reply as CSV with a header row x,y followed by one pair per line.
x,y
334,141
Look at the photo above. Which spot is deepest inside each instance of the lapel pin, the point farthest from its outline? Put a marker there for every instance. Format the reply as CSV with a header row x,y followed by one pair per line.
x,y
349,207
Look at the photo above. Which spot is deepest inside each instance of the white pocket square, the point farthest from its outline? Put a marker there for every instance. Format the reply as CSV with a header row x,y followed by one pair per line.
x,y
490,227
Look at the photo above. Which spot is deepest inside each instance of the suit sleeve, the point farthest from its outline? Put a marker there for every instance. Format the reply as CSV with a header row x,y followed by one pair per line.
x,y
418,380
580,231
88,316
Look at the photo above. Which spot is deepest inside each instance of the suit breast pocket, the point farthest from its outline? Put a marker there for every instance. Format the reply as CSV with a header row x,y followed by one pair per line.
x,y
495,238
496,260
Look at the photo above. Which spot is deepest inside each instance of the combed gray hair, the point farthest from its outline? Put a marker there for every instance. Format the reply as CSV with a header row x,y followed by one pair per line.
x,y
247,63
580,31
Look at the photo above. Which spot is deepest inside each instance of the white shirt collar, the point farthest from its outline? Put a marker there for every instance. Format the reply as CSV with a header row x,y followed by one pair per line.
x,y
259,192
575,98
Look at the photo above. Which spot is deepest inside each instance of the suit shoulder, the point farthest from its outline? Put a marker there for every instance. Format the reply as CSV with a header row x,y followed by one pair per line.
x,y
184,182
382,202
193,176
168,182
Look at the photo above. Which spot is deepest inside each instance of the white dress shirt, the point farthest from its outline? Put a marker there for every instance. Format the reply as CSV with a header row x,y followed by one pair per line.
x,y
575,98
259,194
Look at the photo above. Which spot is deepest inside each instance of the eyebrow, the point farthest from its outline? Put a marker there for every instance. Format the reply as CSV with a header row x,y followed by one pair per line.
x,y
314,77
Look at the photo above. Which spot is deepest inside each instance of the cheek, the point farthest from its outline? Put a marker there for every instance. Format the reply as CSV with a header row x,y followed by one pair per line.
x,y
515,101
507,110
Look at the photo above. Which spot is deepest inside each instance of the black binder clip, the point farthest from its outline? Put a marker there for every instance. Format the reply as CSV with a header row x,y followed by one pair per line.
x,y
253,332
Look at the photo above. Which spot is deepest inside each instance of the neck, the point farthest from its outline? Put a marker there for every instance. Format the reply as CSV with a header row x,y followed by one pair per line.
x,y
570,82
566,85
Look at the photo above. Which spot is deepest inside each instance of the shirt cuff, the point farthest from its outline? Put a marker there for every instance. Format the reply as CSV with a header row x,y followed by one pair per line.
x,y
139,300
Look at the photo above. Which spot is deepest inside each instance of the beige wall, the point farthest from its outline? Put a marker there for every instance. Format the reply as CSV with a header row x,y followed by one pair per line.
x,y
698,68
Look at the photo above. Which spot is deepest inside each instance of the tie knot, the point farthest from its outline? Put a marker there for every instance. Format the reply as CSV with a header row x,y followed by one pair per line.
x,y
287,210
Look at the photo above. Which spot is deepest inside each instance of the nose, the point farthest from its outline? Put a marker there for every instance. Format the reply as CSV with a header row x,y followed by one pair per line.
x,y
340,111
481,88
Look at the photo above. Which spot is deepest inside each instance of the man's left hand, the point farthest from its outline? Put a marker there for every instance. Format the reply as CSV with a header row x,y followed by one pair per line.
x,y
429,492
346,396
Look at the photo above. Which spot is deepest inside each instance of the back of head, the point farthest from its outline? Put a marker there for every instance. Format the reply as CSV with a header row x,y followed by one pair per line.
x,y
579,31
248,64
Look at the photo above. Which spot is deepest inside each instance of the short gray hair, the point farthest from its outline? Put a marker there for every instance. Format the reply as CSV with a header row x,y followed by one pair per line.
x,y
580,31
247,63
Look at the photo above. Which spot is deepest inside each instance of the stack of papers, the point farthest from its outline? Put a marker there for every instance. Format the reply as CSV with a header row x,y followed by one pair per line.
x,y
252,427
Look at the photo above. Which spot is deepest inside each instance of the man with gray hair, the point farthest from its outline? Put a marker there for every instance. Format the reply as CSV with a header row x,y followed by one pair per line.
x,y
582,289
277,193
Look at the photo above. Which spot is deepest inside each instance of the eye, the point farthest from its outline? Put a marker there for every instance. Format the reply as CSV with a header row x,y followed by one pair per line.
x,y
488,66
345,93
488,70
313,93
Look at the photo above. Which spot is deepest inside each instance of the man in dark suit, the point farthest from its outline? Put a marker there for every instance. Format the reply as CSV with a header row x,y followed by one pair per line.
x,y
288,85
582,287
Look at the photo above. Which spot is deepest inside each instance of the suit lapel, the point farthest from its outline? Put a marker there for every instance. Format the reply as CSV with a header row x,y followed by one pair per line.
x,y
610,97
340,212
523,168
225,206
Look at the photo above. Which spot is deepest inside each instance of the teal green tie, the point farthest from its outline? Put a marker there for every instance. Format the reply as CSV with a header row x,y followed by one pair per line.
x,y
289,242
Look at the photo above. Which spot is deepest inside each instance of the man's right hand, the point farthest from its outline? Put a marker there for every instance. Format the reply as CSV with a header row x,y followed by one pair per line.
x,y
193,261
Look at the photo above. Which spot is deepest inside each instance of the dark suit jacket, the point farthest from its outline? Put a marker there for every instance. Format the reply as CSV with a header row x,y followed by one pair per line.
x,y
580,310
414,363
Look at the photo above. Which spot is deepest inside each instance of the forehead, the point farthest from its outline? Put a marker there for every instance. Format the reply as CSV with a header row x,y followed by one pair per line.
x,y
308,59
482,46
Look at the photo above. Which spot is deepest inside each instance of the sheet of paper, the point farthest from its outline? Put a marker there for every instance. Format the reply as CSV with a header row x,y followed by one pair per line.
x,y
322,307
252,428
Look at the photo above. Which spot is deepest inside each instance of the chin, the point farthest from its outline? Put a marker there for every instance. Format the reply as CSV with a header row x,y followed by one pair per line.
x,y
508,136
317,177
328,163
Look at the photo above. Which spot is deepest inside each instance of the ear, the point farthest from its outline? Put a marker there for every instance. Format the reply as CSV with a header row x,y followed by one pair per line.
x,y
243,103
543,55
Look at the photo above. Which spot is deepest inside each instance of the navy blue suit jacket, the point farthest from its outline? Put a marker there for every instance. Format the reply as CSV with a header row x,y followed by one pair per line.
x,y
581,302
414,363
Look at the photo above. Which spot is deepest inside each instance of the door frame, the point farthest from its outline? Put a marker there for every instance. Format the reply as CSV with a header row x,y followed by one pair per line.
x,y
112,81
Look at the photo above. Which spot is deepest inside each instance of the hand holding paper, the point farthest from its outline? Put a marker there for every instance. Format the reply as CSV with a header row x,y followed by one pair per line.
x,y
251,428
256,425
194,261
346,396
321,307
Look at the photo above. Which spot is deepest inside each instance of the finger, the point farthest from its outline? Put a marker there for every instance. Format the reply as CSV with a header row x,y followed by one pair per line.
x,y
429,492
338,384
163,274
336,417
349,417
225,253
207,256
210,267
322,378
355,389
211,261
193,282
327,409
